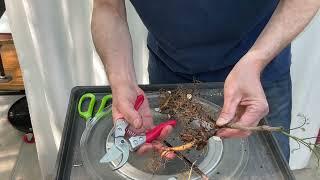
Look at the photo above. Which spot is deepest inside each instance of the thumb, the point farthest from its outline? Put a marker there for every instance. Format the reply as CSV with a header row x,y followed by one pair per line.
x,y
228,111
132,116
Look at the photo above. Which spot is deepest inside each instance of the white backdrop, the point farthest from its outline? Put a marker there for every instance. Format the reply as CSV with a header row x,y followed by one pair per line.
x,y
306,89
56,53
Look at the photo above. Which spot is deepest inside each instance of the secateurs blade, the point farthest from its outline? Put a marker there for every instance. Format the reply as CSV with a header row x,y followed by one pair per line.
x,y
123,143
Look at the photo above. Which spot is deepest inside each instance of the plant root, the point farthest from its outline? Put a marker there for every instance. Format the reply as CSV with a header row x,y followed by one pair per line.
x,y
183,147
181,104
190,172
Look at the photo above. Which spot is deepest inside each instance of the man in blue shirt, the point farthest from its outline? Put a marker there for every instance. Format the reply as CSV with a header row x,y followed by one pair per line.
x,y
244,43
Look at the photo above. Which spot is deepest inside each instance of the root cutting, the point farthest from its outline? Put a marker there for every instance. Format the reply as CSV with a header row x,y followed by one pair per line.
x,y
181,104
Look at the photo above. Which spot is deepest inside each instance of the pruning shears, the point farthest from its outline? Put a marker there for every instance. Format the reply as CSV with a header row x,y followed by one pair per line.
x,y
88,115
126,141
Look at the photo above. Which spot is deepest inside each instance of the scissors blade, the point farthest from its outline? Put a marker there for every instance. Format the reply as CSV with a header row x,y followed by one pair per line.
x,y
124,148
112,154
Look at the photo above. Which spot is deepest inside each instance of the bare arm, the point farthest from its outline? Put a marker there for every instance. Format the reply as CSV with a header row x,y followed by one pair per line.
x,y
244,99
112,40
288,20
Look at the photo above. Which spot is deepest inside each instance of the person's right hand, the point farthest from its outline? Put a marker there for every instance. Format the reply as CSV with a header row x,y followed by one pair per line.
x,y
123,101
124,97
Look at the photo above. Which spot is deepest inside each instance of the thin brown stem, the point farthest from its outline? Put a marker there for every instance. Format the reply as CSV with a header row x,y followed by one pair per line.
x,y
255,128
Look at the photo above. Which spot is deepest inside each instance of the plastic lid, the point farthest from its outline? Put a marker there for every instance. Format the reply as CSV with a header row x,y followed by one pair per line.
x,y
218,155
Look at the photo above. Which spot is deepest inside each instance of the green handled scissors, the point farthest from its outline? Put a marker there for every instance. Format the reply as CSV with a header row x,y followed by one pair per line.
x,y
88,114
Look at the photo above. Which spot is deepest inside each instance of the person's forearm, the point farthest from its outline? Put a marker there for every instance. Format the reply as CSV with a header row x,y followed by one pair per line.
x,y
288,20
112,41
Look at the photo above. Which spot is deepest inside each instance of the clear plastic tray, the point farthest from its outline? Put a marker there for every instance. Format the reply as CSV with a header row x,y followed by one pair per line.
x,y
218,155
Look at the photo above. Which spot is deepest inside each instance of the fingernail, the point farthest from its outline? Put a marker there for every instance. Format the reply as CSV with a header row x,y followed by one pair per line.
x,y
137,123
221,121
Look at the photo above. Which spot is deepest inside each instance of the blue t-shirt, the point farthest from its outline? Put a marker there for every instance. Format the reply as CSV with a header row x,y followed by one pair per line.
x,y
205,38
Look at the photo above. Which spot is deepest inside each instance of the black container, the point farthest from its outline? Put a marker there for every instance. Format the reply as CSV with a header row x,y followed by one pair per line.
x,y
265,161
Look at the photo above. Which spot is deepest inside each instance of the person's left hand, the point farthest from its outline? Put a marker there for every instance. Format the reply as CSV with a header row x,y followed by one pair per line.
x,y
244,100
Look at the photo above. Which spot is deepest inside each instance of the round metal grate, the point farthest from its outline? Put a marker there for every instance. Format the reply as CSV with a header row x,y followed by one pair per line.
x,y
225,158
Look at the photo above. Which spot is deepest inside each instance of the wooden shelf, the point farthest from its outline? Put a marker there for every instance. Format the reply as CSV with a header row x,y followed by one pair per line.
x,y
11,66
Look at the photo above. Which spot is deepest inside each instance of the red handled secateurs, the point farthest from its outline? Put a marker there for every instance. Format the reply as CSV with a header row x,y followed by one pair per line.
x,y
123,144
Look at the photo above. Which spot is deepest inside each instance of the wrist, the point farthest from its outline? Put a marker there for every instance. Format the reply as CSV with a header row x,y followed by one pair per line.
x,y
119,81
120,85
255,60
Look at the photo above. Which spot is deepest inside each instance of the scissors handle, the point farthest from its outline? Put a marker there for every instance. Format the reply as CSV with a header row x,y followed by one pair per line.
x,y
103,103
87,114
139,101
154,133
